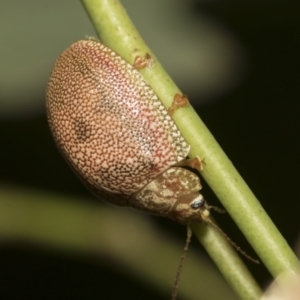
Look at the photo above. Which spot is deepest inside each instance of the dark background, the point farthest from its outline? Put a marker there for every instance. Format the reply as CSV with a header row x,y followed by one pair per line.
x,y
256,123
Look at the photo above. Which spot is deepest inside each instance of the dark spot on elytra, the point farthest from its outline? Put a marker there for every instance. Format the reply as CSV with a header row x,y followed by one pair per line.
x,y
79,65
82,130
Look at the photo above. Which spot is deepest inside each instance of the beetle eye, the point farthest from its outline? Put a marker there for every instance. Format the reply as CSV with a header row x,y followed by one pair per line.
x,y
198,203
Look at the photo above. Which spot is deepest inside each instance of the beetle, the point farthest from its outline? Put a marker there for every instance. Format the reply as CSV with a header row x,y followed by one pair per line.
x,y
118,137
120,140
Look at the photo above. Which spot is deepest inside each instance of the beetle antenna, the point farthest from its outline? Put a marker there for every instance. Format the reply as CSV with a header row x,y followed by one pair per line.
x,y
180,267
217,209
235,246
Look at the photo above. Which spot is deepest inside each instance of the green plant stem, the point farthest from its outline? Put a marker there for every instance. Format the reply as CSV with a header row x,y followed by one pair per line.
x,y
117,31
228,262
